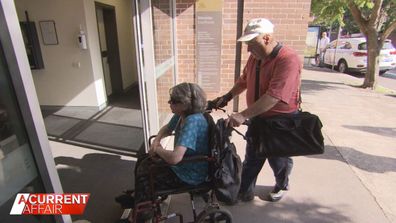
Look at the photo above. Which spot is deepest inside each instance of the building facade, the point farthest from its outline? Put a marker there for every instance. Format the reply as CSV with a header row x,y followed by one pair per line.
x,y
289,17
160,43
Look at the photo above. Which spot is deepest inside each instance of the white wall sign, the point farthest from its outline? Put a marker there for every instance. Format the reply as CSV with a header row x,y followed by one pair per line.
x,y
48,32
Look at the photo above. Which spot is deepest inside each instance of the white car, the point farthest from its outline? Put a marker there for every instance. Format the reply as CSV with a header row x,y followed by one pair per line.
x,y
351,55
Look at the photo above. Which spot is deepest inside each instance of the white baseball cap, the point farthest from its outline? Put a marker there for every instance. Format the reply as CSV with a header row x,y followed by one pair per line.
x,y
256,27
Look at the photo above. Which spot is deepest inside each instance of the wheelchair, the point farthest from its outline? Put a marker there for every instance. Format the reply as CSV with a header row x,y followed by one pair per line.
x,y
211,213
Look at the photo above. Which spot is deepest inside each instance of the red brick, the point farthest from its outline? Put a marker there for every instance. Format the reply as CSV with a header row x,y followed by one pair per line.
x,y
290,18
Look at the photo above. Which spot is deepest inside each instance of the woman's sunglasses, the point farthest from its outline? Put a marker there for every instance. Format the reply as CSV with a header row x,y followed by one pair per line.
x,y
174,101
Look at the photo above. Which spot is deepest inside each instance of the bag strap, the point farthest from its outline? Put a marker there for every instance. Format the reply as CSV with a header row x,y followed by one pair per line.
x,y
273,54
299,100
256,89
225,131
239,133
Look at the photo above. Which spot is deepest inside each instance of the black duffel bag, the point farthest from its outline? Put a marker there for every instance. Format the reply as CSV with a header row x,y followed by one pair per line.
x,y
286,135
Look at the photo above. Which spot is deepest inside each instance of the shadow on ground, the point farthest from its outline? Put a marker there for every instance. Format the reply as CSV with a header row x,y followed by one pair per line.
x,y
309,86
113,129
391,95
320,69
104,176
382,131
358,159
289,211
117,128
328,69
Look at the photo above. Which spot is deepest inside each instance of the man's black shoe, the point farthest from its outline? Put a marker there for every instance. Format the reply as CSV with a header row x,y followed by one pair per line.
x,y
126,200
246,196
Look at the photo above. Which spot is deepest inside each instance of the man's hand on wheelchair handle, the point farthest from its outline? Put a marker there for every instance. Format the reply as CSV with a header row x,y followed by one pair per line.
x,y
235,120
220,102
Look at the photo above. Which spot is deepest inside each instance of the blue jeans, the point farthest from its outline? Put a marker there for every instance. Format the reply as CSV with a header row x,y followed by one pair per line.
x,y
281,166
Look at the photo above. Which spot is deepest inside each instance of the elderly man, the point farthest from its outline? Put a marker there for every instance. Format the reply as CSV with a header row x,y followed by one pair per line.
x,y
322,44
271,78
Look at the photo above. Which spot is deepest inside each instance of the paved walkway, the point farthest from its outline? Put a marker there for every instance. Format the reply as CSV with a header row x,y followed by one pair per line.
x,y
354,181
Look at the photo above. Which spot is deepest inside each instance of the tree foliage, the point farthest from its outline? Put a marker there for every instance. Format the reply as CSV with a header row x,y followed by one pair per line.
x,y
350,25
376,19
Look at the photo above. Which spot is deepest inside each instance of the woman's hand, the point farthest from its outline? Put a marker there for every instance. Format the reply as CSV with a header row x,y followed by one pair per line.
x,y
154,148
155,143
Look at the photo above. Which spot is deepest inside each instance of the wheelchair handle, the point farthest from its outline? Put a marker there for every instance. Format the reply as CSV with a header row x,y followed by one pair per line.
x,y
151,138
210,106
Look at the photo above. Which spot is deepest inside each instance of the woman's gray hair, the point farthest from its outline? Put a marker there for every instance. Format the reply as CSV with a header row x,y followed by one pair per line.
x,y
189,94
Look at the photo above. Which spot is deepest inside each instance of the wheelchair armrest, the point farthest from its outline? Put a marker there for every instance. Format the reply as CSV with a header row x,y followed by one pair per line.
x,y
158,162
153,137
196,158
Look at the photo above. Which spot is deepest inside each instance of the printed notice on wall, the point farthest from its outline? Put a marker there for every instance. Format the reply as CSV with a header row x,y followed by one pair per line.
x,y
208,39
311,41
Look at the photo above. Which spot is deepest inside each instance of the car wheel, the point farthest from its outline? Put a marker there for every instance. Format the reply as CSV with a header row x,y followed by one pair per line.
x,y
382,72
342,66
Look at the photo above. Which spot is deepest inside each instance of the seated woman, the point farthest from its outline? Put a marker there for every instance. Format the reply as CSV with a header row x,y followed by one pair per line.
x,y
187,102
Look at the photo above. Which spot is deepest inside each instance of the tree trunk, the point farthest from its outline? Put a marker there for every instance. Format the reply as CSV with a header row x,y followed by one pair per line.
x,y
373,52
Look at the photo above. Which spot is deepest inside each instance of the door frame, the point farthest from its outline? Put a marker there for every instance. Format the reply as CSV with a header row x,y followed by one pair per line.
x,y
142,19
113,54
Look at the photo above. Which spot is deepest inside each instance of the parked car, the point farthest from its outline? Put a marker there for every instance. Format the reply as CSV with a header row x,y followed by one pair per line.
x,y
351,55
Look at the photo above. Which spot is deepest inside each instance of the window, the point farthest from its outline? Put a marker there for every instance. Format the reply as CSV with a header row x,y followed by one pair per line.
x,y
18,170
362,46
347,45
387,45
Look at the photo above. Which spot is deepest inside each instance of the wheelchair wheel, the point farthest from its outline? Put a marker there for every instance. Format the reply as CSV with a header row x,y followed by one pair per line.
x,y
214,215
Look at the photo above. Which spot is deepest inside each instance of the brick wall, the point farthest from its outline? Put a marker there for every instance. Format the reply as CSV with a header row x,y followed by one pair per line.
x,y
185,40
290,18
228,47
162,30
164,83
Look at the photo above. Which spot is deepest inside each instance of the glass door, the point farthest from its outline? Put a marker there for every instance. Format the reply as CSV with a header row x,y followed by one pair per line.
x,y
18,170
164,53
154,29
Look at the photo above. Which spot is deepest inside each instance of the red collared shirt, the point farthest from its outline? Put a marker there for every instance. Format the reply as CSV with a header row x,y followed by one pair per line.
x,y
279,78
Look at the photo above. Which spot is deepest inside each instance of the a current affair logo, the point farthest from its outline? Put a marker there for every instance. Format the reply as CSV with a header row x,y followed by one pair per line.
x,y
49,204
